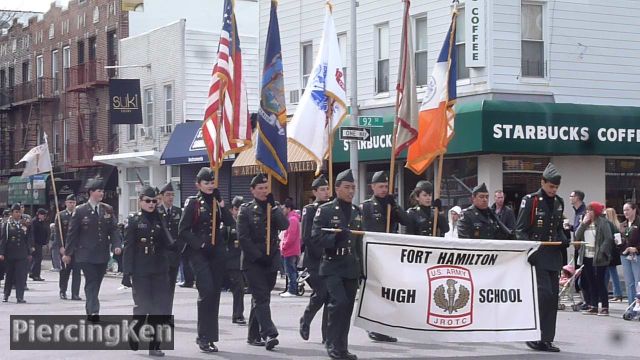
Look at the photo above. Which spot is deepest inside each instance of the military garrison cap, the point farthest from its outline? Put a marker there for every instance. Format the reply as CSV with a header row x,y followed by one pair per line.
x,y
6,212
94,184
346,175
237,201
319,181
41,211
424,185
15,207
71,197
379,177
259,179
205,174
551,174
481,188
167,187
148,191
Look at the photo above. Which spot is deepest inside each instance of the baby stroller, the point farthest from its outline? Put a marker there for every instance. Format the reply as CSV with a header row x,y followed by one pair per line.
x,y
303,275
567,292
633,311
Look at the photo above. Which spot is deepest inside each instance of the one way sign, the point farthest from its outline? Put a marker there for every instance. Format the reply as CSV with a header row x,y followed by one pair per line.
x,y
354,133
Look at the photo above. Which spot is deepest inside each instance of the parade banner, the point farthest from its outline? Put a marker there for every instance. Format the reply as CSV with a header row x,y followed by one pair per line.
x,y
437,290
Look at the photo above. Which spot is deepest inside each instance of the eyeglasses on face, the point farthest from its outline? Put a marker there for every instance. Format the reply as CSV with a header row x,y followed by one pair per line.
x,y
150,200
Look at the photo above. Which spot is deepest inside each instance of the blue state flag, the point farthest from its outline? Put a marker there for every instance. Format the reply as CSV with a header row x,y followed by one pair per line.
x,y
271,148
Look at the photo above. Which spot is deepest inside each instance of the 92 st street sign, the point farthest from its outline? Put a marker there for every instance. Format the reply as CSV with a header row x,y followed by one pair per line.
x,y
370,121
354,133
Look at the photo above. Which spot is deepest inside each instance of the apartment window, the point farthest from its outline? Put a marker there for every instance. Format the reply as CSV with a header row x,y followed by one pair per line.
x,y
148,111
56,140
96,14
12,76
382,58
3,79
26,75
66,64
532,41
55,72
132,132
52,30
80,52
133,184
14,45
92,48
65,139
26,41
342,44
307,63
463,70
421,54
39,73
168,106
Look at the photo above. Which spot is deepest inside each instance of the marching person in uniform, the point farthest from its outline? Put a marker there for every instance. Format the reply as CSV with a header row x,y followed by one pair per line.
x,y
40,231
16,249
540,219
145,262
341,261
6,214
207,259
261,269
71,270
421,216
311,260
171,215
93,230
234,254
478,221
374,218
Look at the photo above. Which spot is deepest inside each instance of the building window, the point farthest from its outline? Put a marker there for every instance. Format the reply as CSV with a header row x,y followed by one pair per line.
x,y
134,175
532,41
3,79
55,72
26,75
148,112
52,30
12,76
92,48
66,63
168,107
14,45
382,58
132,132
307,63
39,73
342,44
26,41
96,14
421,54
463,70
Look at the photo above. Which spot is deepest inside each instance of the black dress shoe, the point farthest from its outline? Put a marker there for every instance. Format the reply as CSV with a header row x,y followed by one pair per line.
x,y
63,296
94,318
381,337
549,347
207,347
186,285
535,345
5,299
76,297
239,321
156,352
304,329
271,342
38,279
255,342
22,301
335,354
349,356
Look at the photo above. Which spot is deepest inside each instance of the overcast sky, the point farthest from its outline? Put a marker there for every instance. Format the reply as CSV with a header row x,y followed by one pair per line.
x,y
29,5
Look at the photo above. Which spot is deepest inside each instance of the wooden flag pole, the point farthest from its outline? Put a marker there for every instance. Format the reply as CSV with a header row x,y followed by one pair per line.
x,y
216,167
329,117
393,164
268,240
436,193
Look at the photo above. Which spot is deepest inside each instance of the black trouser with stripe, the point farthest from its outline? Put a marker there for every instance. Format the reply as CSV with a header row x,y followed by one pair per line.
x,y
342,296
70,270
16,276
93,275
318,299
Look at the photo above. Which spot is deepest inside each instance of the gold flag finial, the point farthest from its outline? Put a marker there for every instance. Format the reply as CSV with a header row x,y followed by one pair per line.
x,y
330,6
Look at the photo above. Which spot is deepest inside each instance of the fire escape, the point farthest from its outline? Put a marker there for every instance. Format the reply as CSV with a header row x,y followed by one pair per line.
x,y
82,93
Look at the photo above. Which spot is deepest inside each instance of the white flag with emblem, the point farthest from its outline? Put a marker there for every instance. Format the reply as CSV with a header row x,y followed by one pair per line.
x,y
38,160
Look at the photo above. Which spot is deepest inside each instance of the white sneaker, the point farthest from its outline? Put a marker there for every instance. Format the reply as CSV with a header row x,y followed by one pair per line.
x,y
287,294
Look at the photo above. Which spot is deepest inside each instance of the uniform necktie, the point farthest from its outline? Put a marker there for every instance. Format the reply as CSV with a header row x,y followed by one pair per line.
x,y
97,213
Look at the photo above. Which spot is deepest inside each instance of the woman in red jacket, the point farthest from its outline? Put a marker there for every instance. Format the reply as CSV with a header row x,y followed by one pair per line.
x,y
290,248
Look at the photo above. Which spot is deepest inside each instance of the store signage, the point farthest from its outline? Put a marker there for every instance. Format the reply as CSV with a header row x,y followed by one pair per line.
x,y
475,21
124,101
354,133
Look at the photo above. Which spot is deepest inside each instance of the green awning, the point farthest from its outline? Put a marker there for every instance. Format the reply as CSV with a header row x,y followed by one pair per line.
x,y
28,191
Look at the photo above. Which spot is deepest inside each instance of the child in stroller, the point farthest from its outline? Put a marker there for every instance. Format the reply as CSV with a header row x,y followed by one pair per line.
x,y
633,311
567,282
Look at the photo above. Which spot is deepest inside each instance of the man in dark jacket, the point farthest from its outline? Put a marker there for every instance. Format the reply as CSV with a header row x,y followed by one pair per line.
x,y
540,219
171,215
504,213
311,260
260,262
41,233
478,221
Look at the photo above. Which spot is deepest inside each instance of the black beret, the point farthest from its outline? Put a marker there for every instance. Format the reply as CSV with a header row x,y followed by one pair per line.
x,y
346,175
95,184
71,197
551,174
148,191
259,179
424,185
15,207
319,181
380,177
41,211
167,187
237,201
205,174
481,188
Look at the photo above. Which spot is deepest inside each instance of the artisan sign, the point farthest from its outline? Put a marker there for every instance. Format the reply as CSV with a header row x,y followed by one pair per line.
x,y
124,101
475,21
461,290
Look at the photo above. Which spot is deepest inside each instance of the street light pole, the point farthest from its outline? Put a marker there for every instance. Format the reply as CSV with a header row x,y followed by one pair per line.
x,y
353,84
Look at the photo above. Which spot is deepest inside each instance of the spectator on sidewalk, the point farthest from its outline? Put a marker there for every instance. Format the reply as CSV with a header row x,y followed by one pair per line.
x,y
40,239
290,248
503,212
55,252
612,270
629,247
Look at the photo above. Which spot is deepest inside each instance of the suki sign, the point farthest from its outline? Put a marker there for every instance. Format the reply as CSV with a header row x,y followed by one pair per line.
x,y
462,290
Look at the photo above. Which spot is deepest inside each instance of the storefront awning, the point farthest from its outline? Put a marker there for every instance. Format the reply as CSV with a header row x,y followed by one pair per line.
x,y
299,161
185,146
28,191
132,159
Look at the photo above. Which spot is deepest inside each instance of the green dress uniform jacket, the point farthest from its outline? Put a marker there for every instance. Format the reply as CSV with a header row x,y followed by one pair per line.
x,y
477,224
374,216
16,240
91,235
252,233
421,221
146,243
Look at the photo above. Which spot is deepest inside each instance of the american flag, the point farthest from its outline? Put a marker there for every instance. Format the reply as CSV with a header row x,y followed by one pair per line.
x,y
227,82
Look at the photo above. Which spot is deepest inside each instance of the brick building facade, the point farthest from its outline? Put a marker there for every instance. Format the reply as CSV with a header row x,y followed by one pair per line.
x,y
53,80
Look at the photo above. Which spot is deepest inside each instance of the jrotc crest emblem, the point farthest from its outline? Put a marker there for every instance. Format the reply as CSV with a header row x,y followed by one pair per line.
x,y
451,297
